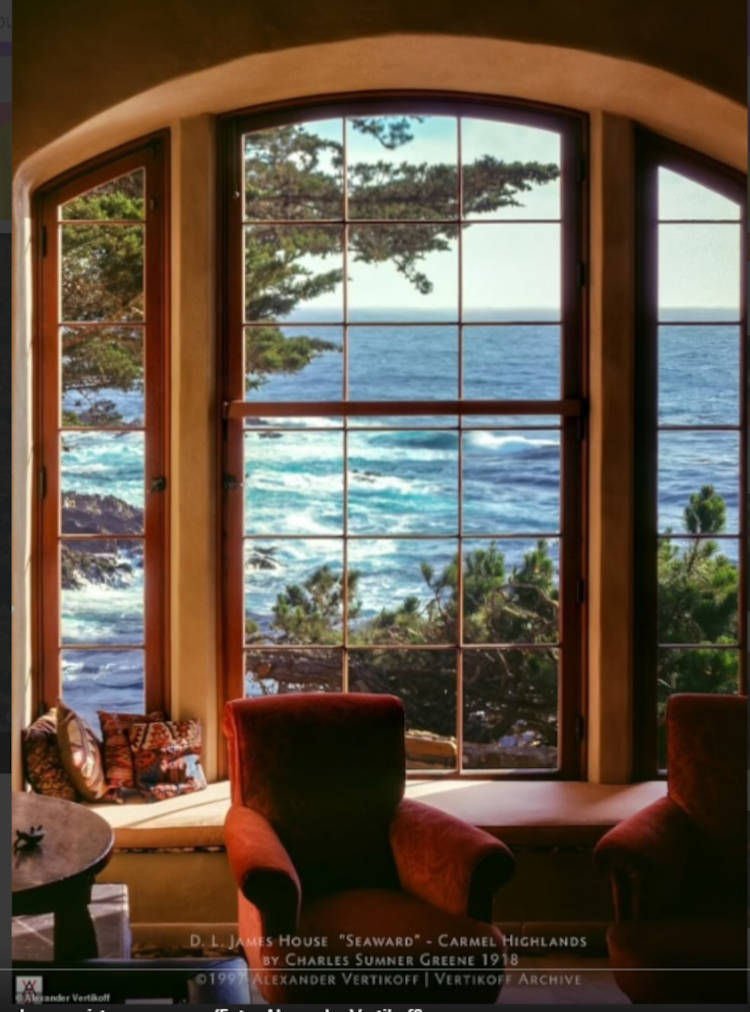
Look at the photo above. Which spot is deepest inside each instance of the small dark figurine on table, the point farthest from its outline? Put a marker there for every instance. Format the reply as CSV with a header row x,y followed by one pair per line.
x,y
28,841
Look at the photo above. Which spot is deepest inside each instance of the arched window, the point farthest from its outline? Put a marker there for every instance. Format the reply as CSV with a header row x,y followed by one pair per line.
x,y
404,419
691,438
101,434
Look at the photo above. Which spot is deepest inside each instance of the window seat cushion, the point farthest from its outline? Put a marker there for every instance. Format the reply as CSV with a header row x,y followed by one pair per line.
x,y
531,813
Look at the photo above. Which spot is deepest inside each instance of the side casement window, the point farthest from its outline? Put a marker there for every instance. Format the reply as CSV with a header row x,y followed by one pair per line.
x,y
691,437
101,416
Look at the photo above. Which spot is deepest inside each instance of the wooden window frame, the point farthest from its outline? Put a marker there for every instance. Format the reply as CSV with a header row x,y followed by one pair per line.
x,y
651,153
152,153
572,406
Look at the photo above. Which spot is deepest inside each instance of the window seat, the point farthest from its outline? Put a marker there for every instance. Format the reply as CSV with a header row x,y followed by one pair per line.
x,y
531,813
163,848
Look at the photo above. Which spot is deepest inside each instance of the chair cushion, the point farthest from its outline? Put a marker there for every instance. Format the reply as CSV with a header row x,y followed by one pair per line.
x,y
327,771
656,952
351,933
707,763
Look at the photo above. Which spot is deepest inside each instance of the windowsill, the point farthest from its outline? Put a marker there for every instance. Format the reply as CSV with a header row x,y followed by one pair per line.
x,y
538,813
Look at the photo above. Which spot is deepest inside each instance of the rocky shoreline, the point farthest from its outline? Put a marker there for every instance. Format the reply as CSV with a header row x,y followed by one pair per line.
x,y
91,513
105,561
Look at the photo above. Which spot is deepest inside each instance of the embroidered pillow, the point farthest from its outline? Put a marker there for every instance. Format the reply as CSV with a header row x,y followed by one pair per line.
x,y
118,759
167,757
41,757
81,754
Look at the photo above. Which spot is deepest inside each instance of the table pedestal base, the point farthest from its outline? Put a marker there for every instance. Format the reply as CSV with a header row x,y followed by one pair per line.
x,y
33,934
74,937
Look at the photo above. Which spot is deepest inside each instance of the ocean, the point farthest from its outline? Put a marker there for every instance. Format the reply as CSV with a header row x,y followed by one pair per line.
x,y
402,482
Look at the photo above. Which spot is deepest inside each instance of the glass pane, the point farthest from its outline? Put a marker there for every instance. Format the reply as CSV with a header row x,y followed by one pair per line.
x,y
402,591
400,269
511,271
511,422
102,376
699,482
402,166
103,680
699,375
294,482
402,421
510,709
101,274
511,481
294,171
102,591
698,586
102,482
294,273
268,422
511,591
693,670
699,272
403,482
680,197
425,681
403,363
294,363
116,199
268,672
293,591
511,363
509,171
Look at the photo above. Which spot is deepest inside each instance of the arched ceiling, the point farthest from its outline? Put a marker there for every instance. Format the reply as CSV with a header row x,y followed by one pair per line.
x,y
685,111
77,58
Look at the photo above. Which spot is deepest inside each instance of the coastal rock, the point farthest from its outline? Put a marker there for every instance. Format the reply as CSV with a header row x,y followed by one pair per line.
x,y
99,561
489,756
103,564
87,513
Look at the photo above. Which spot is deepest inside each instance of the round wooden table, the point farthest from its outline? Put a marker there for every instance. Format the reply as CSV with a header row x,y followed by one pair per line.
x,y
57,875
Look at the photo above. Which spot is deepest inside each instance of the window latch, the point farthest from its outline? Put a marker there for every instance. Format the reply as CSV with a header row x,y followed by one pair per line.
x,y
158,484
231,483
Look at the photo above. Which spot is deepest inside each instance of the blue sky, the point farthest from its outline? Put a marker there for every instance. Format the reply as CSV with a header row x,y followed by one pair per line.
x,y
518,265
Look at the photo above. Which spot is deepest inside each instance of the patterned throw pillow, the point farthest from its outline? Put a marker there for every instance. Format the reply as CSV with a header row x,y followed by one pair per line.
x,y
118,759
167,758
81,754
41,757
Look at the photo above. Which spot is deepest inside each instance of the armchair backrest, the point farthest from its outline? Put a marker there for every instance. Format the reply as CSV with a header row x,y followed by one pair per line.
x,y
707,764
327,770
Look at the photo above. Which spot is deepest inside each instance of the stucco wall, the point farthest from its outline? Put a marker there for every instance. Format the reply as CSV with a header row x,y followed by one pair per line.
x,y
77,58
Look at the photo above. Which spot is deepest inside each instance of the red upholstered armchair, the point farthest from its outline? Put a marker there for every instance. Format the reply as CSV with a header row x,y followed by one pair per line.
x,y
679,867
344,886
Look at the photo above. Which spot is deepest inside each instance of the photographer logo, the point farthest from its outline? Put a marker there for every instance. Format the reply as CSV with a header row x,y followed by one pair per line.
x,y
29,991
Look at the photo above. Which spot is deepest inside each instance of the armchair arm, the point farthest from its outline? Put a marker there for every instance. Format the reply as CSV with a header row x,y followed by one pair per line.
x,y
646,857
263,869
447,862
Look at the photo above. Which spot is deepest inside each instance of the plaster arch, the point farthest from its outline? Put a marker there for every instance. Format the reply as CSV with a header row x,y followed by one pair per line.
x,y
671,105
113,51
